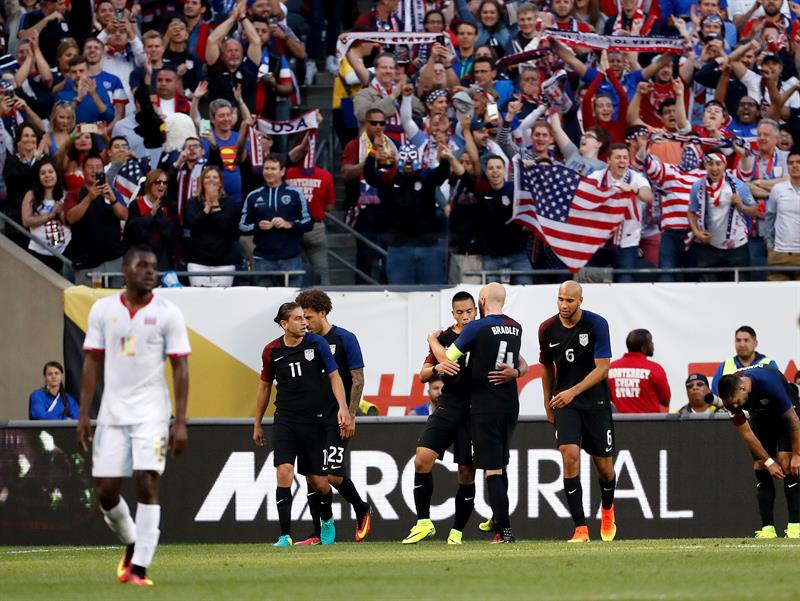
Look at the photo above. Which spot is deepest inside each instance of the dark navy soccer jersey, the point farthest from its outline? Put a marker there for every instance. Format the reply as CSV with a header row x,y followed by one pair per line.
x,y
490,341
347,353
769,397
573,351
300,373
456,389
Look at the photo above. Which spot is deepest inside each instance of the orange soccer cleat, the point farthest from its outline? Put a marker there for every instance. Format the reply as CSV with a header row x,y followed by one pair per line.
x,y
608,526
581,535
140,580
364,526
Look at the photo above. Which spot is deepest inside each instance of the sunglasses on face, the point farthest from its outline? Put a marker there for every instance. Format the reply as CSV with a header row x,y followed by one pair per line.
x,y
377,123
160,182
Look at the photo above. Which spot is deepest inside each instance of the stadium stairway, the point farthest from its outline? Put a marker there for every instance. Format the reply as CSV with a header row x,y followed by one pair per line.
x,y
318,96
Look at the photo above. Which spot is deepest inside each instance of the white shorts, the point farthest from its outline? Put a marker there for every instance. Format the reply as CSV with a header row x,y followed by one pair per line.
x,y
117,451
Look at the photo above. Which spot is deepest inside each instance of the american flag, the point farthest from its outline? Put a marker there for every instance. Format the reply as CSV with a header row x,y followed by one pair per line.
x,y
573,214
129,179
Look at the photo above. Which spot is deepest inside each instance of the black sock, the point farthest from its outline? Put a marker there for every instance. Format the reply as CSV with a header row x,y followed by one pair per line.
x,y
423,491
283,498
498,499
313,509
505,485
574,492
765,493
326,505
128,554
465,503
607,488
349,493
139,571
792,497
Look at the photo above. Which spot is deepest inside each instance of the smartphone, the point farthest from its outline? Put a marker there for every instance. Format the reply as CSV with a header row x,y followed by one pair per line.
x,y
89,128
119,14
205,127
492,112
100,179
440,40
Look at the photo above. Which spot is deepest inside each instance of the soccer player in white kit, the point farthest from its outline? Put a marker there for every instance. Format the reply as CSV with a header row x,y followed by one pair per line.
x,y
128,338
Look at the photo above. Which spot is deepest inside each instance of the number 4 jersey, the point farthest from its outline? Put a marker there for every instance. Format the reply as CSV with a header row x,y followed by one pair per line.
x,y
573,351
491,340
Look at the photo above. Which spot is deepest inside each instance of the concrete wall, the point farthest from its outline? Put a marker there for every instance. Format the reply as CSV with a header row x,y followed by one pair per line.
x,y
31,326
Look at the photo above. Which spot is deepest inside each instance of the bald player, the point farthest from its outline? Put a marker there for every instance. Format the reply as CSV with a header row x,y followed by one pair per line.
x,y
493,343
575,350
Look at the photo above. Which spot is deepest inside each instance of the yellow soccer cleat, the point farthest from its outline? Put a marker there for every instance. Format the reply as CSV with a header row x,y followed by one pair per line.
x,y
454,538
422,529
766,532
487,526
608,526
792,530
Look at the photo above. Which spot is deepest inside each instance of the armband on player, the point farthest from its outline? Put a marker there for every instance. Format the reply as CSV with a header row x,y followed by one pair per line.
x,y
453,353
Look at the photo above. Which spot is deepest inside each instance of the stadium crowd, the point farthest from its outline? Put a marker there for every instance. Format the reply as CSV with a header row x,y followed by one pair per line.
x,y
468,133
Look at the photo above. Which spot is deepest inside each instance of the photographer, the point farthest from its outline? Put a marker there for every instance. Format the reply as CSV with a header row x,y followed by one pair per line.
x,y
94,214
701,399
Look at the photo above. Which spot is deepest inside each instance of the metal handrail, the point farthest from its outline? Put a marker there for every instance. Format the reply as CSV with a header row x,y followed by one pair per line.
x,y
43,243
357,235
105,276
483,273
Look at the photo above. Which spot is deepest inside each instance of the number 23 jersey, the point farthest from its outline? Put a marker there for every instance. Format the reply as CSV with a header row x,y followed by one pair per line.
x,y
573,351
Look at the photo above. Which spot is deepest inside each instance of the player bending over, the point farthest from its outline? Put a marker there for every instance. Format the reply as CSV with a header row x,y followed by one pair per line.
x,y
772,430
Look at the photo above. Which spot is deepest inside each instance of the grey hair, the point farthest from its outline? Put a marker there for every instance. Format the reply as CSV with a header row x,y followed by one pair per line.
x,y
772,123
219,103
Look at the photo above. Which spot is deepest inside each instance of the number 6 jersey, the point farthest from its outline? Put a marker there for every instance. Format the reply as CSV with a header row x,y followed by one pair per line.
x,y
573,351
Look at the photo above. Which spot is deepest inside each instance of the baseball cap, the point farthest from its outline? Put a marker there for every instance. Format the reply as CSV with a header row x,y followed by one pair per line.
x,y
771,57
696,377
477,124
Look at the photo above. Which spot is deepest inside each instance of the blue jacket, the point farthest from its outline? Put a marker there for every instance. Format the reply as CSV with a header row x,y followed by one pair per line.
x,y
266,203
41,400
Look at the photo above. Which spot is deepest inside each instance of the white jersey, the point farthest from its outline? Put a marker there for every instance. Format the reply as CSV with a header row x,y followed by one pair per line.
x,y
135,346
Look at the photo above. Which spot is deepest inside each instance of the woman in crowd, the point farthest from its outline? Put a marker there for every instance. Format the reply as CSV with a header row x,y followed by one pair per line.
x,y
151,220
69,157
43,215
212,219
52,401
62,123
19,175
66,51
492,30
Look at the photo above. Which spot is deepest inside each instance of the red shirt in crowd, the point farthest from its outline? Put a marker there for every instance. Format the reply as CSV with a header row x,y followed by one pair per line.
x,y
316,185
638,385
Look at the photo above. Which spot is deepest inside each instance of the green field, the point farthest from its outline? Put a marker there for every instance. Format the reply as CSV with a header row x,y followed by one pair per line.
x,y
646,569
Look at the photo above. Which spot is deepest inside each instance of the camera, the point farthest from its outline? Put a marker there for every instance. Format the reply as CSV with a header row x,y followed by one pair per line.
x,y
100,179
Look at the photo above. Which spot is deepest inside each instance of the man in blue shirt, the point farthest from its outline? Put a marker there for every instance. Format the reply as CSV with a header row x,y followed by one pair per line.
x,y
770,427
277,216
92,102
